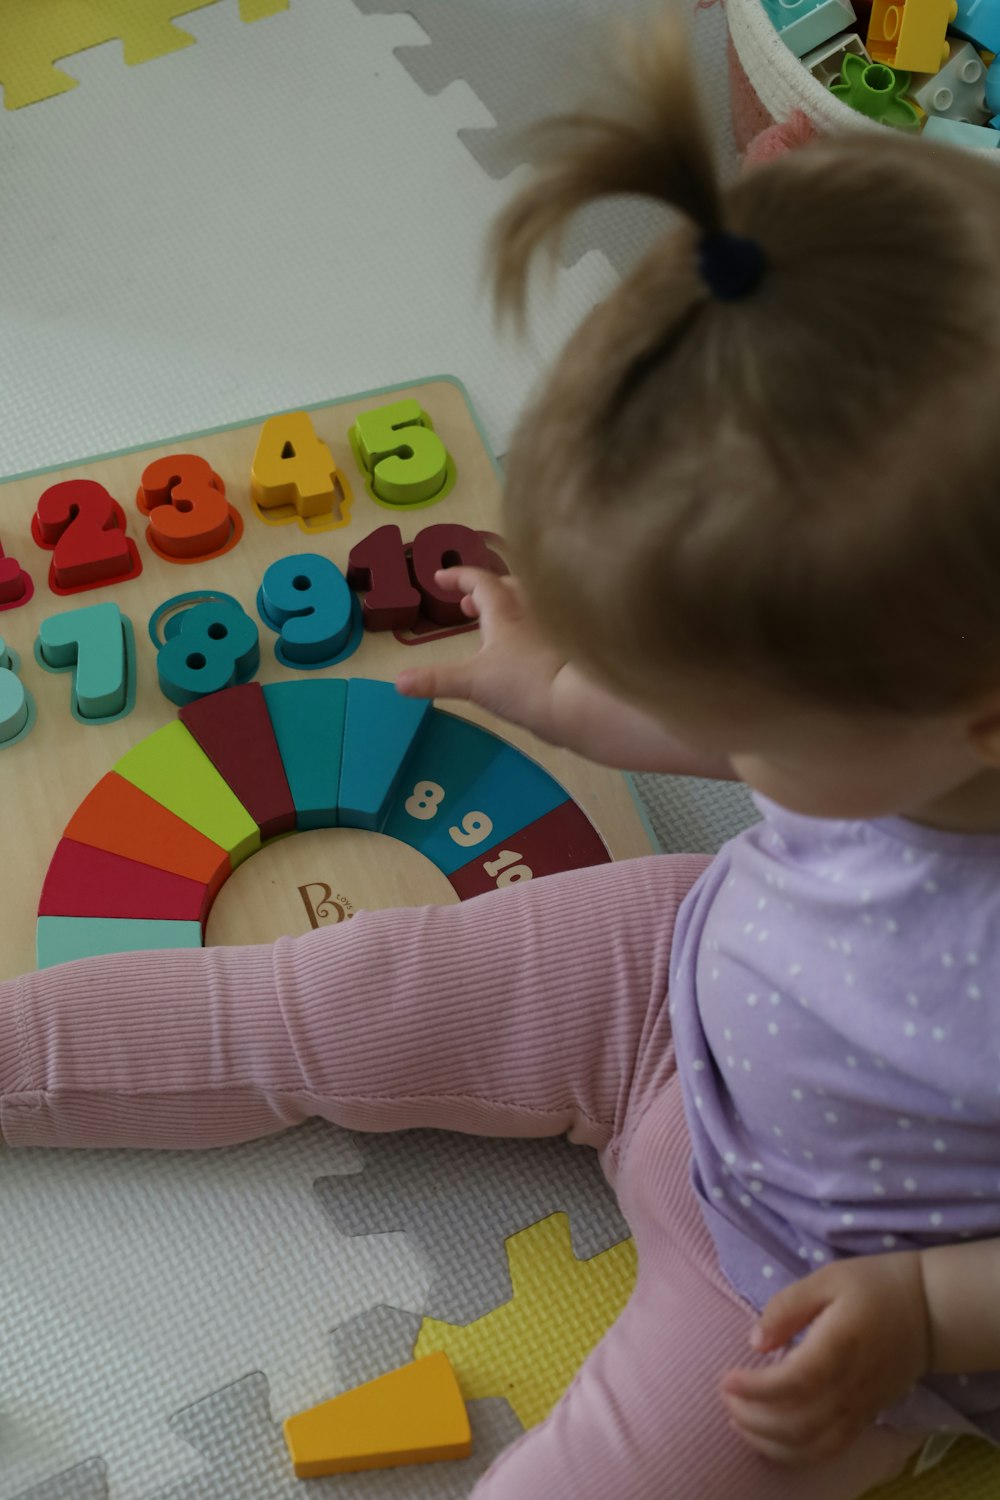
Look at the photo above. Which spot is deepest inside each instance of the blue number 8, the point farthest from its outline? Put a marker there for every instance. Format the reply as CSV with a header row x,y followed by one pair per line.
x,y
211,646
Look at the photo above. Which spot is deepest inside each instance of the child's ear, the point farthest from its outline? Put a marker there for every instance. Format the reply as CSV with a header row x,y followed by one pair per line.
x,y
984,733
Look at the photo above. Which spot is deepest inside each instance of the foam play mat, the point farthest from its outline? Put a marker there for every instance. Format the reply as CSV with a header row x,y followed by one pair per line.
x,y
216,211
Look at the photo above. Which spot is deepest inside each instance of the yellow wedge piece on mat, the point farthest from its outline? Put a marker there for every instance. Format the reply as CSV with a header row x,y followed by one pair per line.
x,y
414,1415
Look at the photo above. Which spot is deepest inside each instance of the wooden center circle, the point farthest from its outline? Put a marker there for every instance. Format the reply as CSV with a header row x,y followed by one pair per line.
x,y
317,879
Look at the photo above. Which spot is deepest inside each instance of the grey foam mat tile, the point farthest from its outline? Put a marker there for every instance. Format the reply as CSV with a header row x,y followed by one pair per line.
x,y
694,816
372,1344
246,1457
525,59
459,1198
86,1481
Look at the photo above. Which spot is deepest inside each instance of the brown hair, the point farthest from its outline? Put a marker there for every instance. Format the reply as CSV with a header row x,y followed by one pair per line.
x,y
802,485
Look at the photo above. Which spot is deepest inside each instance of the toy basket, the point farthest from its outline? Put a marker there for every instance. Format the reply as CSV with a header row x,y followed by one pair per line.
x,y
768,83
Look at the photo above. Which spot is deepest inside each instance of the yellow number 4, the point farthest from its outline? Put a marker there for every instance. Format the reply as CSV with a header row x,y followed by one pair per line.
x,y
294,476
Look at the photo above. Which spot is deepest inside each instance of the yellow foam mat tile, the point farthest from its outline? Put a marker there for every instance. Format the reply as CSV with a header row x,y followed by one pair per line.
x,y
37,36
970,1471
529,1349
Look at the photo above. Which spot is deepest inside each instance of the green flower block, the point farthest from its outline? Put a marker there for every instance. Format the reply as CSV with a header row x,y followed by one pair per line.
x,y
877,91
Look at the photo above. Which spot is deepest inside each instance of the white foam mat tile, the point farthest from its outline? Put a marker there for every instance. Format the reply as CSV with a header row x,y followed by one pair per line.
x,y
134,1283
274,216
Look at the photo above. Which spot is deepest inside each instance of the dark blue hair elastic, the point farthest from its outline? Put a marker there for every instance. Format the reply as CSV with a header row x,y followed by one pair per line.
x,y
730,265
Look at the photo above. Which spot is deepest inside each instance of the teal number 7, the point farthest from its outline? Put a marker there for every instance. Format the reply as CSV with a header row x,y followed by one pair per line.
x,y
97,645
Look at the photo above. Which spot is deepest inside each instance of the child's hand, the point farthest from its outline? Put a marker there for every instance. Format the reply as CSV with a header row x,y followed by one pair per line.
x,y
514,669
867,1343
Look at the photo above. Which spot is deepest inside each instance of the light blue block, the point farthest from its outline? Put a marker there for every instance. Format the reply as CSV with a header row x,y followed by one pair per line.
x,y
60,939
992,90
308,723
476,773
380,730
805,24
979,22
960,133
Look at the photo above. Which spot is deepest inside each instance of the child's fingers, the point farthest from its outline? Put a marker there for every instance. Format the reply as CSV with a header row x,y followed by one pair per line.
x,y
791,1309
451,680
483,590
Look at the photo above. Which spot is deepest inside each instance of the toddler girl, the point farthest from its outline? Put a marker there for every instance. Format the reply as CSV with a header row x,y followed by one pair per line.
x,y
756,522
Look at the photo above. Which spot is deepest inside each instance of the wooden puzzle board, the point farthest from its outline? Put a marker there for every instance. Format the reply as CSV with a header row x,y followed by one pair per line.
x,y
46,775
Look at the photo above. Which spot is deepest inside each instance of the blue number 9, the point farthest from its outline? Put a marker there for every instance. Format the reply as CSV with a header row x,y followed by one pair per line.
x,y
306,599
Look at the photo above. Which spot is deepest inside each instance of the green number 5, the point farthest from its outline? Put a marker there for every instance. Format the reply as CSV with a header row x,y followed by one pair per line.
x,y
404,460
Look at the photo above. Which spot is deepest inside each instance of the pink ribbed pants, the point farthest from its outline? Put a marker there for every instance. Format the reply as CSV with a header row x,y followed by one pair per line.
x,y
537,1010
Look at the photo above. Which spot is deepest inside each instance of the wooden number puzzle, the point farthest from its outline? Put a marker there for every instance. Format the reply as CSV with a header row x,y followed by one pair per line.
x,y
199,642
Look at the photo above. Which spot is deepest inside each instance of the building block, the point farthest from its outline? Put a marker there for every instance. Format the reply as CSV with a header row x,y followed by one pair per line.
x,y
958,133
467,790
234,730
414,1415
94,641
381,727
959,90
826,62
804,25
979,21
171,767
876,91
992,91
82,881
115,815
910,34
308,723
59,940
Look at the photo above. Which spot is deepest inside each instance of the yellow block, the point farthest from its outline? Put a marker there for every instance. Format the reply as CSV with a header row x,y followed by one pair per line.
x,y
414,1415
910,34
529,1349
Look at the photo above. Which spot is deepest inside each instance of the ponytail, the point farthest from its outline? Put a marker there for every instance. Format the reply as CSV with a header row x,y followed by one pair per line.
x,y
652,141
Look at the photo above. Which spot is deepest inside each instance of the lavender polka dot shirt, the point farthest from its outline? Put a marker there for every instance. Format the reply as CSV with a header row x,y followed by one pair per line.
x,y
835,994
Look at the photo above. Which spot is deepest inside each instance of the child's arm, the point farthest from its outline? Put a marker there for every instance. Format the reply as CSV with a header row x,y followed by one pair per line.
x,y
516,674
961,1287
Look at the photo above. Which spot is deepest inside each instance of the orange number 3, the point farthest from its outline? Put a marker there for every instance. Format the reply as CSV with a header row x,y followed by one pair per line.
x,y
190,518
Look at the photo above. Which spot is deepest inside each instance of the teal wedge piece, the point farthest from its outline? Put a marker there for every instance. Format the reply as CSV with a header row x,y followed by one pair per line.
x,y
467,789
308,723
61,939
380,731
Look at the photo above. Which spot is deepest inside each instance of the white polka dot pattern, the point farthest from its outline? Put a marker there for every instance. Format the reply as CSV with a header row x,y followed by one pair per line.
x,y
848,1065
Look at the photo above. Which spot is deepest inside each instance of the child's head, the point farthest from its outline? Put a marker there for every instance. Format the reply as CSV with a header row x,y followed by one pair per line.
x,y
775,520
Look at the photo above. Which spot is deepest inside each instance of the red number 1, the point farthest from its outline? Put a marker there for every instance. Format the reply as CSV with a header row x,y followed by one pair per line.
x,y
15,585
379,565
